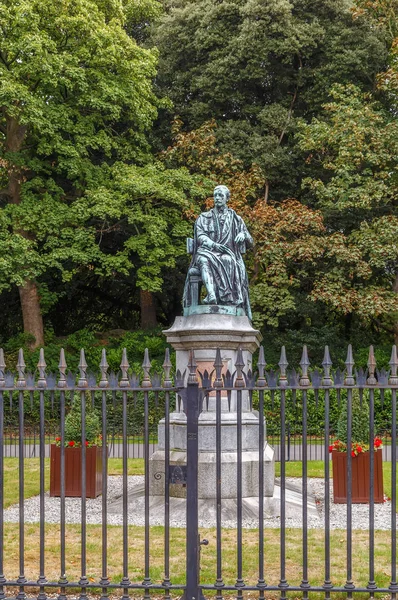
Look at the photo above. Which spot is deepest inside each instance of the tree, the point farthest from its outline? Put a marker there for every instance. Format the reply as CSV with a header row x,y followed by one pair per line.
x,y
255,67
70,75
355,150
150,210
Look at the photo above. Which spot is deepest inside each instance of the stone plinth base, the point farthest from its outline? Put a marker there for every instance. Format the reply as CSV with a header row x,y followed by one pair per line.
x,y
207,473
205,333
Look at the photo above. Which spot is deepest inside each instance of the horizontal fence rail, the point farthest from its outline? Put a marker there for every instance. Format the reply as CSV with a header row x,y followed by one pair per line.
x,y
125,537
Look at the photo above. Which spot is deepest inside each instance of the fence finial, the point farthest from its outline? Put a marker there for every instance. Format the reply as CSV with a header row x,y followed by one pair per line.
x,y
83,370
104,383
239,364
304,364
327,364
146,365
192,378
371,380
218,365
167,369
261,364
21,366
124,366
62,369
393,380
41,365
283,364
349,363
2,369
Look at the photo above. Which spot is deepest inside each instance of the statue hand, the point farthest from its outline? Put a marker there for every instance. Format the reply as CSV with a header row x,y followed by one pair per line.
x,y
240,237
208,244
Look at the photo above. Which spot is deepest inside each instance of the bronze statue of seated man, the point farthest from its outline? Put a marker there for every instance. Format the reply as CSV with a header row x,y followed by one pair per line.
x,y
220,239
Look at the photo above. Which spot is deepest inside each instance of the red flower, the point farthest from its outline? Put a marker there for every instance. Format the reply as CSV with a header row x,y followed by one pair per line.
x,y
87,443
359,449
353,453
377,443
57,439
331,448
71,443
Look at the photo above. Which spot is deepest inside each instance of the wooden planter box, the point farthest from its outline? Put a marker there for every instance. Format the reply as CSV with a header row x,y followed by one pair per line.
x,y
360,477
73,471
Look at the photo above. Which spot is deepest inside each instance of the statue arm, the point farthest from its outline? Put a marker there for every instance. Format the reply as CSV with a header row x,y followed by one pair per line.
x,y
243,234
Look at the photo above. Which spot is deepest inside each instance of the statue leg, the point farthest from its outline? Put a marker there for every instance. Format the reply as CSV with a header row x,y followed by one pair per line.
x,y
208,280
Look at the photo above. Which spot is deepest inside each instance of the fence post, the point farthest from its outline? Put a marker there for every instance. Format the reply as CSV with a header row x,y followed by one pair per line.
x,y
192,409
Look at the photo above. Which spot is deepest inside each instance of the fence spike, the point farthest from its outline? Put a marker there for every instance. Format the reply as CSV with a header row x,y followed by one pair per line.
x,y
283,364
62,383
393,380
2,368
218,365
304,364
104,383
146,365
371,380
261,364
166,369
349,363
21,366
83,370
327,365
192,378
41,365
124,366
239,364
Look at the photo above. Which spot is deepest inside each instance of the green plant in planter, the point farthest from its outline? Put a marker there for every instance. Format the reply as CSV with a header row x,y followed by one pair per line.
x,y
359,427
73,427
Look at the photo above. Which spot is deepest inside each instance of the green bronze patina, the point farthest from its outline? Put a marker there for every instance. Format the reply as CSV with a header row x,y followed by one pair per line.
x,y
220,239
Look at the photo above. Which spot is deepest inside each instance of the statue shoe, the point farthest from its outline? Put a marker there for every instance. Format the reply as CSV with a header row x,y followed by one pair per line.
x,y
210,299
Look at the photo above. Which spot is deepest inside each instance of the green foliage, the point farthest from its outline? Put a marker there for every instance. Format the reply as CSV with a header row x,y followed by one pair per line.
x,y
255,67
360,420
73,425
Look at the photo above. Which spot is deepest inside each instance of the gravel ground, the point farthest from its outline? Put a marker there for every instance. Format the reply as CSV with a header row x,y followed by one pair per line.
x,y
360,512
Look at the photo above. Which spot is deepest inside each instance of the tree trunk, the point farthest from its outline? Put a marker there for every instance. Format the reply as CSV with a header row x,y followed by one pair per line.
x,y
148,310
28,293
31,313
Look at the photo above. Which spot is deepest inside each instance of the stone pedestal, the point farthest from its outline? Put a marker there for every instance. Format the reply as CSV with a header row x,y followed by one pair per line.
x,y
204,333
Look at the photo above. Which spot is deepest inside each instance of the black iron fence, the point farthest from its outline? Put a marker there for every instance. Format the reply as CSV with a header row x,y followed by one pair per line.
x,y
133,546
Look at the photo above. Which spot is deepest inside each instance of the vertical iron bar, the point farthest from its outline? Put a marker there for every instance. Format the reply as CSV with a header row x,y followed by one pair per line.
x,y
394,583
2,577
283,582
304,583
192,531
125,580
371,583
261,581
349,585
166,580
21,579
83,579
104,577
62,580
42,579
147,579
327,583
219,580
239,580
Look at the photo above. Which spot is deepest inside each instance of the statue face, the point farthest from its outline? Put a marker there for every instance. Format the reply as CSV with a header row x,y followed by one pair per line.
x,y
220,198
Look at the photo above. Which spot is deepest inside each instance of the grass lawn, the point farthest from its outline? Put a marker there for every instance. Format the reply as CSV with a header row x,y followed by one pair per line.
x,y
178,542
208,556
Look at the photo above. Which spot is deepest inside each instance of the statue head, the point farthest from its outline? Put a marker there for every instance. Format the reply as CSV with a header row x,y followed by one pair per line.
x,y
221,195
